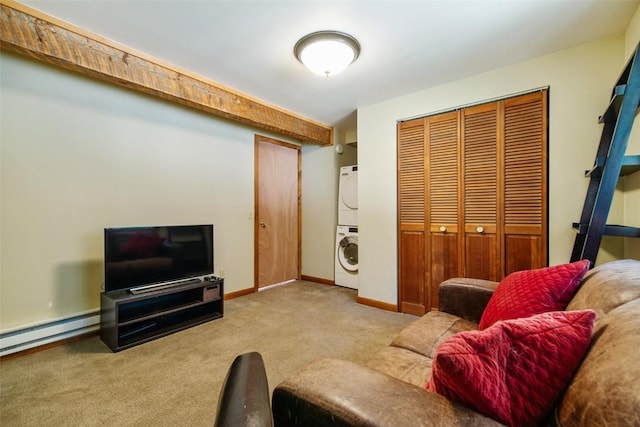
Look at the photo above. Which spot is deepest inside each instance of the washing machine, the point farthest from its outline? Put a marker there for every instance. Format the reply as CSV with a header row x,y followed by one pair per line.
x,y
348,196
347,256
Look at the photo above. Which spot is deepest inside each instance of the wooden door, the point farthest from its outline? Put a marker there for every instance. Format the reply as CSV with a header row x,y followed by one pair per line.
x,y
412,271
442,189
277,206
525,182
481,212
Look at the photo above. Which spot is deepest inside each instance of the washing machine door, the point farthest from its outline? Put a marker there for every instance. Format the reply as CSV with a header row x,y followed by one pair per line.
x,y
348,253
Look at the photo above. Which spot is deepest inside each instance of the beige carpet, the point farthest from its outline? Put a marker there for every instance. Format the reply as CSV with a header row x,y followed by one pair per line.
x,y
175,380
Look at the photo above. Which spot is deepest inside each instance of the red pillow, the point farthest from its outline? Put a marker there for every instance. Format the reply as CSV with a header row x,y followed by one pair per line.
x,y
515,370
529,292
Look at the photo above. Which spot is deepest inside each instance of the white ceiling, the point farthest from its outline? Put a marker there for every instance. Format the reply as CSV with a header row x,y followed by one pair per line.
x,y
406,45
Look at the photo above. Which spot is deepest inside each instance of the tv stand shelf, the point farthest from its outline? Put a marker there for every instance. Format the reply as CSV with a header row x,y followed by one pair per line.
x,y
130,319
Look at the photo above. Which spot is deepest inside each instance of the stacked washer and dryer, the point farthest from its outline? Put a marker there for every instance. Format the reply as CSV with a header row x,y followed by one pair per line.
x,y
347,234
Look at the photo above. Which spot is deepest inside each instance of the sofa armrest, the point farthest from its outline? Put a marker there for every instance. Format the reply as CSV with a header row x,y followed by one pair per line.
x,y
244,398
340,393
464,297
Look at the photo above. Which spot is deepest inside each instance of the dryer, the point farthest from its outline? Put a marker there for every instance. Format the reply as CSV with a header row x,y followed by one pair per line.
x,y
347,257
348,196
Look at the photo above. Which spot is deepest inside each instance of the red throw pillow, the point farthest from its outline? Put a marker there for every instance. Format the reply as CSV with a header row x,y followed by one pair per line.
x,y
529,292
515,370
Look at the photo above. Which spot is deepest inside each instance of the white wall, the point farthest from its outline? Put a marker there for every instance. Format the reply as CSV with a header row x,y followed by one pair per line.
x,y
320,173
78,155
319,211
580,82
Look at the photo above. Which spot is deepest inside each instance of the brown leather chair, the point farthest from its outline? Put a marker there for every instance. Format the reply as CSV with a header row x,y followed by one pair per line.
x,y
244,398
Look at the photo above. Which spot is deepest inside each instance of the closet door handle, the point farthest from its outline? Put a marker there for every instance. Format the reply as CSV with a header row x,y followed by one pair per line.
x,y
443,228
263,224
480,229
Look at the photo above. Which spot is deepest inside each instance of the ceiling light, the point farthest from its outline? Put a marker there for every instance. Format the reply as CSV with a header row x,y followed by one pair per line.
x,y
327,53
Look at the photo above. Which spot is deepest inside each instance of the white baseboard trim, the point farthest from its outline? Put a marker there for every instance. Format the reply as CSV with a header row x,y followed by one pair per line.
x,y
36,335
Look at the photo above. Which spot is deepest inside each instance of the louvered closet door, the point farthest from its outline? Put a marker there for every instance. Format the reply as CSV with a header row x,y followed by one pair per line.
x,y
481,213
443,198
411,217
472,198
525,182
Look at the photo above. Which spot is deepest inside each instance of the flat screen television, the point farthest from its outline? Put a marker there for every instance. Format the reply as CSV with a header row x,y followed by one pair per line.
x,y
142,256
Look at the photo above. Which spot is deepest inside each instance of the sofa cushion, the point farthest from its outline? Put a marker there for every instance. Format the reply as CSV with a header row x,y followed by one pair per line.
x,y
409,356
402,364
425,334
528,292
515,370
606,388
608,286
331,392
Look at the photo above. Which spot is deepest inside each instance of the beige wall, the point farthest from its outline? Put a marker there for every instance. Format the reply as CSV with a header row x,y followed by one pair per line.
x,y
580,82
632,34
77,155
321,168
319,213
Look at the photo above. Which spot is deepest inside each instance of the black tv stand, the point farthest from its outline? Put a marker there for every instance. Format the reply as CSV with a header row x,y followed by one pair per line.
x,y
128,319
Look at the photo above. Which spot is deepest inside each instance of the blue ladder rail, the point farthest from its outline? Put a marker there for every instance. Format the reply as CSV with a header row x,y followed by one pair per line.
x,y
611,163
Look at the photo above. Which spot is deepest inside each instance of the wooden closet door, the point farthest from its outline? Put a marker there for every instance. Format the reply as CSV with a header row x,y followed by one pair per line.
x,y
472,198
443,201
481,212
525,182
412,280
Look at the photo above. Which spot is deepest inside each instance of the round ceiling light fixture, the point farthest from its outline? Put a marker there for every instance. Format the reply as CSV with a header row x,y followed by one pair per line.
x,y
327,53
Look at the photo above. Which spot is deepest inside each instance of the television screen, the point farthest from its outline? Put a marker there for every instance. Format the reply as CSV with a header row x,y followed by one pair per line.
x,y
138,256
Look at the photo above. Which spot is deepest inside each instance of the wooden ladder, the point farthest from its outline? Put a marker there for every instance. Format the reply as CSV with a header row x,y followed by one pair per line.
x,y
610,164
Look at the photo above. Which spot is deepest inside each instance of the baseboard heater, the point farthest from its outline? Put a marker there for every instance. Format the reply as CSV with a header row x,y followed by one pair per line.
x,y
35,335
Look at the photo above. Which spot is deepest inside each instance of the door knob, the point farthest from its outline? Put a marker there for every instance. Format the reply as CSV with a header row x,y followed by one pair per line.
x,y
443,228
480,229
263,224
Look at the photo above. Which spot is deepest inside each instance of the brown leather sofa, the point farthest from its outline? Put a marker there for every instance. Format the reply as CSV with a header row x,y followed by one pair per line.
x,y
388,388
244,397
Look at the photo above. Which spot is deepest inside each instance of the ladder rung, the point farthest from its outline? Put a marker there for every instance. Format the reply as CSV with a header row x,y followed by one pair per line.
x,y
624,76
595,171
630,164
611,230
622,231
581,228
611,113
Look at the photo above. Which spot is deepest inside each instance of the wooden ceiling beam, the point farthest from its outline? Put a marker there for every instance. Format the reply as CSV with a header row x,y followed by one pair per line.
x,y
29,32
